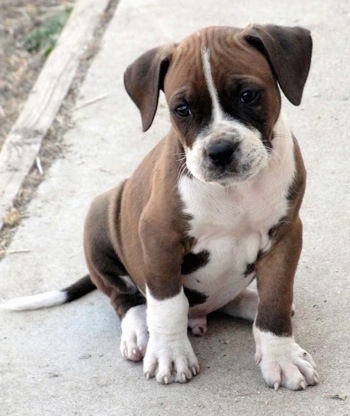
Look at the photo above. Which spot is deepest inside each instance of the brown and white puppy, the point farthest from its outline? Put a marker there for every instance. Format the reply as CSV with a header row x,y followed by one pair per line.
x,y
212,207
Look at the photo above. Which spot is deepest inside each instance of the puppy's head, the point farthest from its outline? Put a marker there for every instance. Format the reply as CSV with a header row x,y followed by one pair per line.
x,y
221,88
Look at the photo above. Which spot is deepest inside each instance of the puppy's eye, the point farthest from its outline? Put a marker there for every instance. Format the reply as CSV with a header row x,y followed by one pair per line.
x,y
249,96
183,110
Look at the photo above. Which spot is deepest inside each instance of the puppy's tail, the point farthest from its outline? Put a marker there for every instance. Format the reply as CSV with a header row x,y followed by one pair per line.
x,y
48,299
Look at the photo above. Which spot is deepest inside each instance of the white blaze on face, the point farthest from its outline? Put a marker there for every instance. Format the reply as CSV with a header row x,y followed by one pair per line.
x,y
217,113
252,152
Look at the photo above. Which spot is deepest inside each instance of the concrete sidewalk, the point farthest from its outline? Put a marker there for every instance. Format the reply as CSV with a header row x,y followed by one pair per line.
x,y
66,360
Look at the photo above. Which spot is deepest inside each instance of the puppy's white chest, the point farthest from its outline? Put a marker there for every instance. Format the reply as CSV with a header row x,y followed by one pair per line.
x,y
239,213
231,226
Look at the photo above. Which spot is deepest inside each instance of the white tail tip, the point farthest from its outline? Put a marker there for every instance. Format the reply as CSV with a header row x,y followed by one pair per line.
x,y
44,300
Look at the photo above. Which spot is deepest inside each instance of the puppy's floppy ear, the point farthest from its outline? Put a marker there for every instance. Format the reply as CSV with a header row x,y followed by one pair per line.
x,y
143,80
288,51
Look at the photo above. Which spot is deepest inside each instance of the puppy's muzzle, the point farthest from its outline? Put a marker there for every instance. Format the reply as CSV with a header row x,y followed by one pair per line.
x,y
229,154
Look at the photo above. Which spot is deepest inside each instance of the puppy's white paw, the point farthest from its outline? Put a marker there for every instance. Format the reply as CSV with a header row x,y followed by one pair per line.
x,y
198,326
170,358
283,362
134,333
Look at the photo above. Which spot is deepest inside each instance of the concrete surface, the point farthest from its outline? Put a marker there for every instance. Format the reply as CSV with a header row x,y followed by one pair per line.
x,y
66,360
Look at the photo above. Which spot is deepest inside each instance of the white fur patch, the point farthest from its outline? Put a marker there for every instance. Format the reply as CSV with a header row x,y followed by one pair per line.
x,y
244,306
283,362
169,356
217,113
134,337
44,300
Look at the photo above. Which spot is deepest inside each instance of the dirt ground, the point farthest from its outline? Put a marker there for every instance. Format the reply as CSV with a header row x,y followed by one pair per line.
x,y
19,68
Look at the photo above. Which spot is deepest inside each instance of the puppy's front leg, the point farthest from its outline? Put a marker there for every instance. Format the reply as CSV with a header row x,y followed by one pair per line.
x,y
169,356
282,361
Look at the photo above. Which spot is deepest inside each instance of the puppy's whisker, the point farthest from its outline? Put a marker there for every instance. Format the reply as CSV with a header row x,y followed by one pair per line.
x,y
180,157
181,172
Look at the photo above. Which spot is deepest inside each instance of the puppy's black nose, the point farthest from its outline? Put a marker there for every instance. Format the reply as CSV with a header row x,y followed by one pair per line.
x,y
220,152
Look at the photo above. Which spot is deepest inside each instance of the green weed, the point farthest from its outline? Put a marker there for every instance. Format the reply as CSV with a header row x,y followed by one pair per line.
x,y
43,39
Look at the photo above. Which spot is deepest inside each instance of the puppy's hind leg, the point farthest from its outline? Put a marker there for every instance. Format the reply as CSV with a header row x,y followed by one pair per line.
x,y
198,326
110,276
128,303
130,307
244,306
131,310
